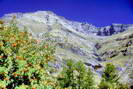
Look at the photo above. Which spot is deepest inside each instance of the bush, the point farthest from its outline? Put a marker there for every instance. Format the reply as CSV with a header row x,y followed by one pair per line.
x,y
76,76
105,85
23,60
66,78
110,74
123,86
110,79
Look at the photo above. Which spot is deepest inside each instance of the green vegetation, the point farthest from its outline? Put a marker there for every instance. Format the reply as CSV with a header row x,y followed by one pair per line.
x,y
76,76
24,65
110,79
23,60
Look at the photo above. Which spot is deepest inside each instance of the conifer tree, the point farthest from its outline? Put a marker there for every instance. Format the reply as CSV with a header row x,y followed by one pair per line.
x,y
109,78
67,79
76,76
89,80
85,76
110,74
80,74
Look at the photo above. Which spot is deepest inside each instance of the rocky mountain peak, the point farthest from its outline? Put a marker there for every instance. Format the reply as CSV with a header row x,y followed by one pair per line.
x,y
114,29
50,18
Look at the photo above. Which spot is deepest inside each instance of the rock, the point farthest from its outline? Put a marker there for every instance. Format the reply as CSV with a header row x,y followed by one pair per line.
x,y
113,29
98,46
110,54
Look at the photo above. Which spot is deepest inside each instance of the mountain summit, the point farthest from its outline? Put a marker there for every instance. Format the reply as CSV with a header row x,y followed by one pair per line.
x,y
49,18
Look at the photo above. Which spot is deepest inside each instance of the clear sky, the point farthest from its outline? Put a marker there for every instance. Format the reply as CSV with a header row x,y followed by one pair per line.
x,y
97,12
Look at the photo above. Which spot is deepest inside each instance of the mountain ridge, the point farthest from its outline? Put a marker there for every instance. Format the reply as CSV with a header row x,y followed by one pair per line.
x,y
78,26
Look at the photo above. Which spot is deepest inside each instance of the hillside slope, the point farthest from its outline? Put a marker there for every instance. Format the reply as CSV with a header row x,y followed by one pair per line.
x,y
95,46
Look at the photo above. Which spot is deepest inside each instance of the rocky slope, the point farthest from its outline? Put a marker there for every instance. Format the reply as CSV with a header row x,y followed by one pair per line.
x,y
113,29
118,49
81,41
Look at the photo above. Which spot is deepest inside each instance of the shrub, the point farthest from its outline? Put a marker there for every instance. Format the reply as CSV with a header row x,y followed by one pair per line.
x,y
123,86
66,78
24,61
110,79
110,74
76,76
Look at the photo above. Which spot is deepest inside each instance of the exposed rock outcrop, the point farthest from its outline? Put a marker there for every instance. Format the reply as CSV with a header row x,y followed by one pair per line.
x,y
113,29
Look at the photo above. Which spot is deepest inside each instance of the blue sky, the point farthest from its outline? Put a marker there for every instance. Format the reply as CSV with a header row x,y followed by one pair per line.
x,y
97,12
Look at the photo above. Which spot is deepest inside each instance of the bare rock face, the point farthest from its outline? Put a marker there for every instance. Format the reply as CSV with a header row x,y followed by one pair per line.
x,y
93,45
113,29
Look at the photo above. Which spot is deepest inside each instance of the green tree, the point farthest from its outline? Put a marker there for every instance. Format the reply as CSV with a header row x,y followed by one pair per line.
x,y
109,78
89,80
123,86
24,60
110,74
76,76
80,73
84,76
105,85
67,76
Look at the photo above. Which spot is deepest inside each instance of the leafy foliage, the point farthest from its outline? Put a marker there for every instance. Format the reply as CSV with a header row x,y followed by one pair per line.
x,y
23,60
76,76
110,74
67,77
110,79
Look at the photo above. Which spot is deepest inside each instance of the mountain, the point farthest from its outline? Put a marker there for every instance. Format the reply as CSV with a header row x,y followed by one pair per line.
x,y
114,29
95,46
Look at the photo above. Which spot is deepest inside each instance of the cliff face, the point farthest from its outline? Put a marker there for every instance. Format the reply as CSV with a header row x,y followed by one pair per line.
x,y
113,29
81,41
